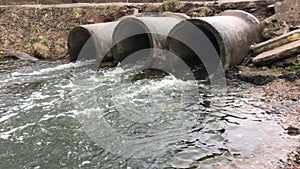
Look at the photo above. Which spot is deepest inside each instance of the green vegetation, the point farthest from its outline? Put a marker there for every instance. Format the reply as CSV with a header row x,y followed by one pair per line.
x,y
34,29
109,7
294,66
49,16
201,12
45,42
39,53
1,56
168,5
276,69
23,50
59,44
77,12
25,22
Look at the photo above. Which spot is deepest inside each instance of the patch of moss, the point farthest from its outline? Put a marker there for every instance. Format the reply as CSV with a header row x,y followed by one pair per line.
x,y
119,49
294,66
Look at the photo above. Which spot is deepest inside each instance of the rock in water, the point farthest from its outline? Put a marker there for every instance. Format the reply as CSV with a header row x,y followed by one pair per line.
x,y
18,55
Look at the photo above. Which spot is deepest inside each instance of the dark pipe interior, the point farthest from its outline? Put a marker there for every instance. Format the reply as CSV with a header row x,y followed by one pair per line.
x,y
128,45
211,38
76,41
81,43
186,54
189,56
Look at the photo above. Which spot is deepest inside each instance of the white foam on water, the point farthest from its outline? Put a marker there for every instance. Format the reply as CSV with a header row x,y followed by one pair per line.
x,y
53,69
85,163
47,116
6,117
168,83
153,89
7,134
39,95
114,72
87,111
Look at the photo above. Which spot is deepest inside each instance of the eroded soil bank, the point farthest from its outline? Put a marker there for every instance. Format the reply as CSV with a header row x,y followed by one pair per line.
x,y
42,30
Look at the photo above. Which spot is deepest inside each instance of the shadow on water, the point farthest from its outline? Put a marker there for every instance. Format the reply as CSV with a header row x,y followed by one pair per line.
x,y
172,123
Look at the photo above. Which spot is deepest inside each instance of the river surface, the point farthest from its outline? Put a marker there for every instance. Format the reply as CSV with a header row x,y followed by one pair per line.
x,y
69,115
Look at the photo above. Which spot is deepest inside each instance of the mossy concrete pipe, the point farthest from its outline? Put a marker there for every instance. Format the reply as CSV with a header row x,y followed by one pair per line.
x,y
133,34
231,33
95,39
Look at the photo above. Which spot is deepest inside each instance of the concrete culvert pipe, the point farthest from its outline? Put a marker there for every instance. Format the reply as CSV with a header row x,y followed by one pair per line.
x,y
230,34
133,34
95,39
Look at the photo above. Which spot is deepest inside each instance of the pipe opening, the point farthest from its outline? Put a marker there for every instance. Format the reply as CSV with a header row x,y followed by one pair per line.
x,y
187,55
130,37
76,41
83,42
211,38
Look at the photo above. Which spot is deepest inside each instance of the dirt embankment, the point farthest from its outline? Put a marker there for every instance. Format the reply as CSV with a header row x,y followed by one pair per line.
x,y
42,30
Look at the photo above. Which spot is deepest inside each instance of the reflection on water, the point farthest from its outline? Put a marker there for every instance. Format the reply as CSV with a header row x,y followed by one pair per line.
x,y
67,115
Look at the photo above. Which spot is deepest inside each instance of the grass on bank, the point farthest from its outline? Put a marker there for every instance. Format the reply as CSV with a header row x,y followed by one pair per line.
x,y
168,5
293,67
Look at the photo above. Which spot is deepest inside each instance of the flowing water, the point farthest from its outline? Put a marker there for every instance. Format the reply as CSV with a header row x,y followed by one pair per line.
x,y
68,115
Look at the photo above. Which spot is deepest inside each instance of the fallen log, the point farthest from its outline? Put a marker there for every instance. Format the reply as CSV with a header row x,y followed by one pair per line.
x,y
275,42
277,54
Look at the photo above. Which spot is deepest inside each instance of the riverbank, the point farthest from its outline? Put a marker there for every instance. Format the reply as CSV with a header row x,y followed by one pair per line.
x,y
282,98
42,30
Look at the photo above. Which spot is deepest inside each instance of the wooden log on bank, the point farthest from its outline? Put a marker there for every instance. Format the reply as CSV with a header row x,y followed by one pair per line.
x,y
276,42
277,54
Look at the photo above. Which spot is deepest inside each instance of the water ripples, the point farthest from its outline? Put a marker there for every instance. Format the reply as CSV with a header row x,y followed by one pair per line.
x,y
67,115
